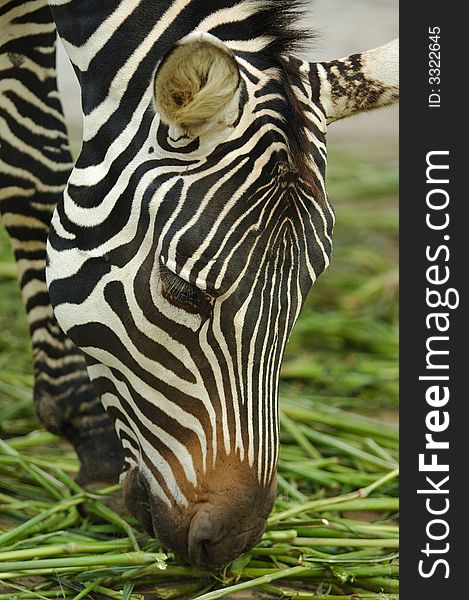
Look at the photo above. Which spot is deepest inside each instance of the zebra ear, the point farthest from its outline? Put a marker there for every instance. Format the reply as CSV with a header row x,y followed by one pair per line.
x,y
197,84
358,82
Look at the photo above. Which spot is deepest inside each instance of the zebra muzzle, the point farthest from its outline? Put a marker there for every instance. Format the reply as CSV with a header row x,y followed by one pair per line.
x,y
214,528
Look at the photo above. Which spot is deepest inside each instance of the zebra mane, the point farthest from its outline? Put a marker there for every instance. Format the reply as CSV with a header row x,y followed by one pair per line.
x,y
277,20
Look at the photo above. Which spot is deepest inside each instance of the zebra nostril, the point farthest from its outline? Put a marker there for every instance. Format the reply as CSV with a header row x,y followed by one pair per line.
x,y
200,554
215,537
203,534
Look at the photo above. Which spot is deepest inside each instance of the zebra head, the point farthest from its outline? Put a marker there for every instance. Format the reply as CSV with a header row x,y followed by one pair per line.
x,y
192,228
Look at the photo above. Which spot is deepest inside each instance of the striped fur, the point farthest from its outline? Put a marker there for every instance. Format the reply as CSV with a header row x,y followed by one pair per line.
x,y
35,163
179,256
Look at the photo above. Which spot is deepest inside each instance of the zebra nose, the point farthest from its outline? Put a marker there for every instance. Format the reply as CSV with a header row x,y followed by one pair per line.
x,y
213,541
202,537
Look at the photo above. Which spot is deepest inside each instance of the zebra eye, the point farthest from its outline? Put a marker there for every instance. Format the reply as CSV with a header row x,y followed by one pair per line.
x,y
177,290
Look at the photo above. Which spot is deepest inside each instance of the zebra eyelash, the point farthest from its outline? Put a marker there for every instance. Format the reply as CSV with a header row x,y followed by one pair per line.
x,y
177,288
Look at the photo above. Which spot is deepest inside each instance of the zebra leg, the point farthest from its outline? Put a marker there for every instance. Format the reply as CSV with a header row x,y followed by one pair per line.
x,y
35,163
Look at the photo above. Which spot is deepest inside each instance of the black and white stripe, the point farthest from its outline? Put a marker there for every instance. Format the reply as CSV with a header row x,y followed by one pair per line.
x,y
177,264
35,163
227,216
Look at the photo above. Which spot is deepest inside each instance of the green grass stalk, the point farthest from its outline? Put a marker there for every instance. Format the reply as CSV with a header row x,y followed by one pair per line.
x,y
27,527
362,493
256,582
294,430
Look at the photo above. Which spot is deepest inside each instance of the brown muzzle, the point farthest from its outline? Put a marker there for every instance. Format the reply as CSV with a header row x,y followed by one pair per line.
x,y
225,516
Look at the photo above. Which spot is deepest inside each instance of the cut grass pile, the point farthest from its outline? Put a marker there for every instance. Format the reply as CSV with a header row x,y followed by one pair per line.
x,y
333,533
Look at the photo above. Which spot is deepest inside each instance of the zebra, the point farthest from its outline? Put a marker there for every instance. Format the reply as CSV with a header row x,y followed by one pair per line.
x,y
163,272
